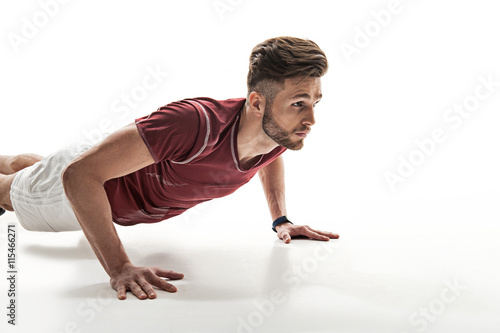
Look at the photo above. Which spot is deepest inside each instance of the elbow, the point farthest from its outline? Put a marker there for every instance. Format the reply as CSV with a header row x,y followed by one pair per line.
x,y
73,176
76,175
67,176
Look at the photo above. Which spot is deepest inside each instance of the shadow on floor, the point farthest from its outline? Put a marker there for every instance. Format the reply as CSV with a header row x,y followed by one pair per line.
x,y
215,275
81,251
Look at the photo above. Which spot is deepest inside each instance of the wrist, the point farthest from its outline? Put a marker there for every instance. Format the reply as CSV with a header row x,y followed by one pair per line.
x,y
117,270
281,225
280,221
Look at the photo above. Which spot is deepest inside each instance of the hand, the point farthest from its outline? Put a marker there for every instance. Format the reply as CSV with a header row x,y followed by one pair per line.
x,y
287,230
140,281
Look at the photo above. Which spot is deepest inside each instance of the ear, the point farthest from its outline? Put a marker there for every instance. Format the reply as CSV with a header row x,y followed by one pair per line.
x,y
257,103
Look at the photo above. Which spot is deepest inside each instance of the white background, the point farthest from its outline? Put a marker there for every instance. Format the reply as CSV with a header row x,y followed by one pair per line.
x,y
396,247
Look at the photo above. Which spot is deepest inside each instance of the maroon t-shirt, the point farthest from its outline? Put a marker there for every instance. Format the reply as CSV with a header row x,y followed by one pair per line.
x,y
193,143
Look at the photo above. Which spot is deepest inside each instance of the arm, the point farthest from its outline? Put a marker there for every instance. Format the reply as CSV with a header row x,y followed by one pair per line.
x,y
272,177
121,153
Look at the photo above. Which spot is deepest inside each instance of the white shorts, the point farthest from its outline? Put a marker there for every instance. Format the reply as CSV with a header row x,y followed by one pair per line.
x,y
38,197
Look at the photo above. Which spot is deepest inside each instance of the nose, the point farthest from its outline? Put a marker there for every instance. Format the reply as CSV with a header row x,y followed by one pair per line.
x,y
309,118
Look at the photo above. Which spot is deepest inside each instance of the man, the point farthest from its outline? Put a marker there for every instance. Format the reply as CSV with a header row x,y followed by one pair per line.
x,y
185,153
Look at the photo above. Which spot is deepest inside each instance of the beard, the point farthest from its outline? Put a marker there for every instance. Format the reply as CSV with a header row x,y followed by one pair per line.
x,y
278,134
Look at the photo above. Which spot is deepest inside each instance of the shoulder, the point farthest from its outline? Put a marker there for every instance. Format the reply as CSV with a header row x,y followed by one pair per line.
x,y
182,130
178,112
219,105
219,114
173,131
200,110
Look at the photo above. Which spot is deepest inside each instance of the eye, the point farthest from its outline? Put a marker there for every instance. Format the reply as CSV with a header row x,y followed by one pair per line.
x,y
298,104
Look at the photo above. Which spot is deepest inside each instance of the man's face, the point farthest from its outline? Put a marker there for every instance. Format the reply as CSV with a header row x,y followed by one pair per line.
x,y
291,115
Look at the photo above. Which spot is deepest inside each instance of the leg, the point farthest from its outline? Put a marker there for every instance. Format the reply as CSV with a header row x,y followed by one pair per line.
x,y
12,164
5,182
9,165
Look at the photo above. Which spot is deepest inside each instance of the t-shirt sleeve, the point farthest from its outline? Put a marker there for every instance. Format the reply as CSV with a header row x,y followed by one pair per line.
x,y
171,132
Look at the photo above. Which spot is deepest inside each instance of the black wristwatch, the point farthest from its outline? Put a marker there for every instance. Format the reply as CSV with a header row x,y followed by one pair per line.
x,y
280,220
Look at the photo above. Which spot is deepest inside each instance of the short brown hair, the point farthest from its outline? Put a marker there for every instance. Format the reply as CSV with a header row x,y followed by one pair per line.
x,y
280,58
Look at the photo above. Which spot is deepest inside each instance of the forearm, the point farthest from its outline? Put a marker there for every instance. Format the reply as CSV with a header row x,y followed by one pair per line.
x,y
91,206
273,181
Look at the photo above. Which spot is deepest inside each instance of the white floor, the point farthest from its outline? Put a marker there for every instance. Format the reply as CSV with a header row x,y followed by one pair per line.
x,y
408,272
425,258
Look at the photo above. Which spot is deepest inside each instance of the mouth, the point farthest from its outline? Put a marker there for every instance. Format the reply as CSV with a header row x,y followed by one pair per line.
x,y
302,134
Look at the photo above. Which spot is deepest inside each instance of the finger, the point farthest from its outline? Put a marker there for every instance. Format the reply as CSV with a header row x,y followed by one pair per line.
x,y
137,290
161,283
307,231
121,292
285,236
167,273
325,233
148,289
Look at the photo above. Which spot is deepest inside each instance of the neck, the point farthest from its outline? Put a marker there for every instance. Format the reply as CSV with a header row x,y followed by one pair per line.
x,y
252,140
